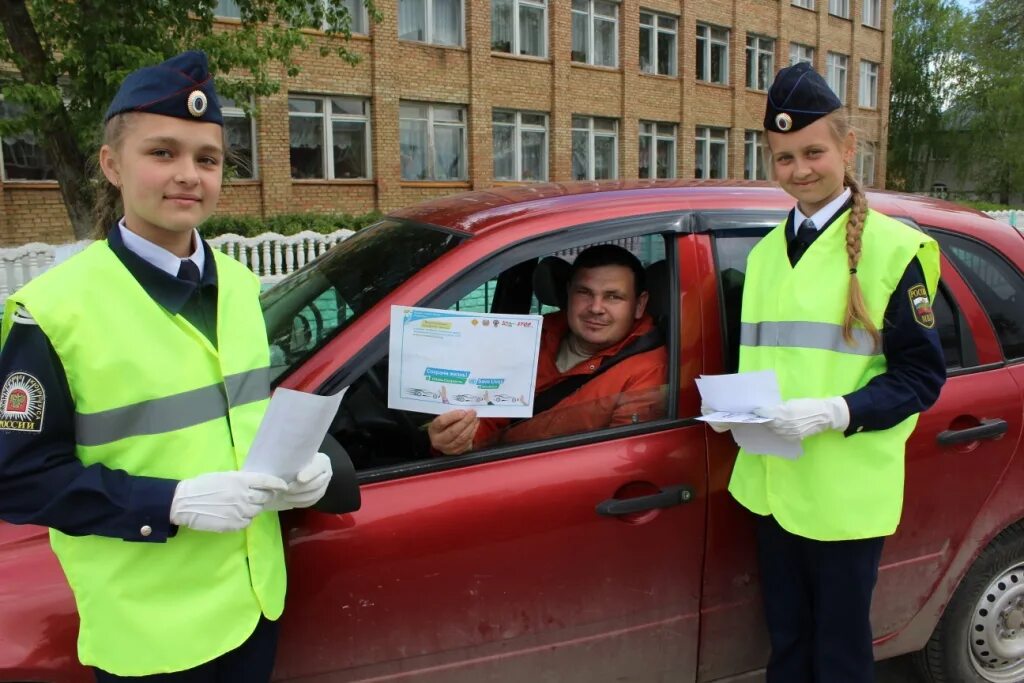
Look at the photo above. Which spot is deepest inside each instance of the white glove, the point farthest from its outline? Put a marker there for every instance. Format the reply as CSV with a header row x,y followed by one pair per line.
x,y
720,427
309,486
222,501
800,418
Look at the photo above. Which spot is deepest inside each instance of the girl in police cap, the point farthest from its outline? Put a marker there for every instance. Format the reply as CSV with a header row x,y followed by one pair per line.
x,y
134,377
832,303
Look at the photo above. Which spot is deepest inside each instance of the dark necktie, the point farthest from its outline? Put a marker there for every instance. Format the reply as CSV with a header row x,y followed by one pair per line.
x,y
799,244
188,272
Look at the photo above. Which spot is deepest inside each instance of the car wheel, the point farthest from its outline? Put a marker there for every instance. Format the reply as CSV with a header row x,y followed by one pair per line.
x,y
980,638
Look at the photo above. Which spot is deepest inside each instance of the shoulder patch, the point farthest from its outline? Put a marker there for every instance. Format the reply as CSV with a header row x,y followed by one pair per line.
x,y
921,303
22,404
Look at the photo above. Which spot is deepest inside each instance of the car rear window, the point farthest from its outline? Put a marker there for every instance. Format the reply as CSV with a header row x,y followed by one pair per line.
x,y
998,285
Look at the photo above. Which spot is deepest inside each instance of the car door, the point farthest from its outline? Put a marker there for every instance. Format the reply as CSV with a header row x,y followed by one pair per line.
x,y
522,563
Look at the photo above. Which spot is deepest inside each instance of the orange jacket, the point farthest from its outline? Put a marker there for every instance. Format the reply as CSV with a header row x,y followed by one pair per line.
x,y
631,391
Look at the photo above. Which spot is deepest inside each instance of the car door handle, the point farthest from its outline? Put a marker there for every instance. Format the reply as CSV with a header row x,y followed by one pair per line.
x,y
988,429
667,497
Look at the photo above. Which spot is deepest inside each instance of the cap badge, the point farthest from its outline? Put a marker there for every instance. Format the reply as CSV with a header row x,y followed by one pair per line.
x,y
197,103
783,121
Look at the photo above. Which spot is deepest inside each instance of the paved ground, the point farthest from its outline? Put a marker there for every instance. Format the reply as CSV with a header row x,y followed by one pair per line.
x,y
899,670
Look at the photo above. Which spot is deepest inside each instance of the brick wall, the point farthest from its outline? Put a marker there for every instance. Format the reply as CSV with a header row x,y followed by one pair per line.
x,y
394,71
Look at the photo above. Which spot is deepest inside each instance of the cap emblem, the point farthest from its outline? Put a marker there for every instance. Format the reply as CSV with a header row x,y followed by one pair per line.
x,y
783,121
197,103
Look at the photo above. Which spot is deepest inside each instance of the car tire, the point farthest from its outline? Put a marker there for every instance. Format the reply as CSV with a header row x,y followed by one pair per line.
x,y
980,637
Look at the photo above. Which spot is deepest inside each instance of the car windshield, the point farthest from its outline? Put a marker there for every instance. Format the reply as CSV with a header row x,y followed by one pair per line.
x,y
310,306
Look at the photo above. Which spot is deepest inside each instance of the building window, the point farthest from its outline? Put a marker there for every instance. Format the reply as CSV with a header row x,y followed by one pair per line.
x,y
753,156
241,137
658,43
873,13
227,9
712,54
519,27
712,153
800,53
359,22
836,74
595,32
433,141
657,150
866,163
430,21
839,8
23,156
806,4
760,62
868,85
595,143
520,145
329,137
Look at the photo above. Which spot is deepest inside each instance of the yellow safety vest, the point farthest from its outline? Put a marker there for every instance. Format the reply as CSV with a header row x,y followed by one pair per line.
x,y
154,398
842,487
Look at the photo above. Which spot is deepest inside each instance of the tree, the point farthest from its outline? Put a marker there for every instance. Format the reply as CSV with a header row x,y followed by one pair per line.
x,y
926,74
993,101
71,55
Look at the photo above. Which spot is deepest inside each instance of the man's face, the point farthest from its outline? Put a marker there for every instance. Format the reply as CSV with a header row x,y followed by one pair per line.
x,y
603,306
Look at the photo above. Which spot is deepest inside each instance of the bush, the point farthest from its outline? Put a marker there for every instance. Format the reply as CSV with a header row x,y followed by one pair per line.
x,y
286,224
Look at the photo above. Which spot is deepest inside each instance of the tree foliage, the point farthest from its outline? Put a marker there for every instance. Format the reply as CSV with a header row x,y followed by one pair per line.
x,y
71,55
928,70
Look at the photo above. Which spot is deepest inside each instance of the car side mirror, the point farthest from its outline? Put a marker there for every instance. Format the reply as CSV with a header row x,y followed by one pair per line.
x,y
343,492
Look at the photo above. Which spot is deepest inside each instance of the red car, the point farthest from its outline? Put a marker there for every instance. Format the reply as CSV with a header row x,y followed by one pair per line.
x,y
610,555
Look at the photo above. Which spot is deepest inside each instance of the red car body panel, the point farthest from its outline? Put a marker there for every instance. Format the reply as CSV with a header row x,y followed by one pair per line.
x,y
502,571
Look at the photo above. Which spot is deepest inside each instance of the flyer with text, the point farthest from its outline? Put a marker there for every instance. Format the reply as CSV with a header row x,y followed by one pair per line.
x,y
444,360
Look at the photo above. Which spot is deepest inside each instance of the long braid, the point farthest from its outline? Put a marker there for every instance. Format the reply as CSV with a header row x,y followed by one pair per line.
x,y
107,207
856,309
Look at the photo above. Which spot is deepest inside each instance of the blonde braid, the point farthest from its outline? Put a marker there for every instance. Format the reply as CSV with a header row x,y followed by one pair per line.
x,y
856,309
107,208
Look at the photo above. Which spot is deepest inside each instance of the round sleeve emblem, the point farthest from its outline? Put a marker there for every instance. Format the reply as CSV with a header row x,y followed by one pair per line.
x,y
22,404
197,103
783,121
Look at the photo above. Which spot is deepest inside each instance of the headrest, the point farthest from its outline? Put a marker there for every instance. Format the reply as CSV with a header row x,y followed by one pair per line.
x,y
658,289
551,281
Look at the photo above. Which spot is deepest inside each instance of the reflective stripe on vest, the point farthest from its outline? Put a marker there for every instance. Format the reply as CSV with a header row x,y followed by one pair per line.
x,y
156,399
160,415
807,335
842,487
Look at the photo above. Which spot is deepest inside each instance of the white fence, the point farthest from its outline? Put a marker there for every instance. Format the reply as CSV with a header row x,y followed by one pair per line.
x,y
1014,218
270,256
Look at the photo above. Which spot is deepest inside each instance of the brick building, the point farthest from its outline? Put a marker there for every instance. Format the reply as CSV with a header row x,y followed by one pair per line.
x,y
455,95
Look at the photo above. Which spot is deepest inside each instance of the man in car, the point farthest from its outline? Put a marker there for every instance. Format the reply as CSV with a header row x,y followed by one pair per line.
x,y
602,361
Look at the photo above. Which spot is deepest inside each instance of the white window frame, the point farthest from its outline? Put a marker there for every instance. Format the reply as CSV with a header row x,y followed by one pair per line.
x,y
839,8
3,161
514,48
867,158
656,30
428,28
231,111
518,128
706,41
754,151
872,13
868,90
431,125
837,67
592,135
705,137
652,131
798,52
593,17
806,4
329,117
762,45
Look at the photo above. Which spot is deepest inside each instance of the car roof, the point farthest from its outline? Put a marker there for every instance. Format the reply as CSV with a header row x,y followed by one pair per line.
x,y
557,205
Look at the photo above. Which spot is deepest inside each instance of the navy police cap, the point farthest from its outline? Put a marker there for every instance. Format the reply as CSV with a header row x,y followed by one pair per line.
x,y
798,98
181,87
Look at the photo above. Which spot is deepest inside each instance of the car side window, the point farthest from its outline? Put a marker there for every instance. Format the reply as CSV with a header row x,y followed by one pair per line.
x,y
634,391
948,324
731,251
998,285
